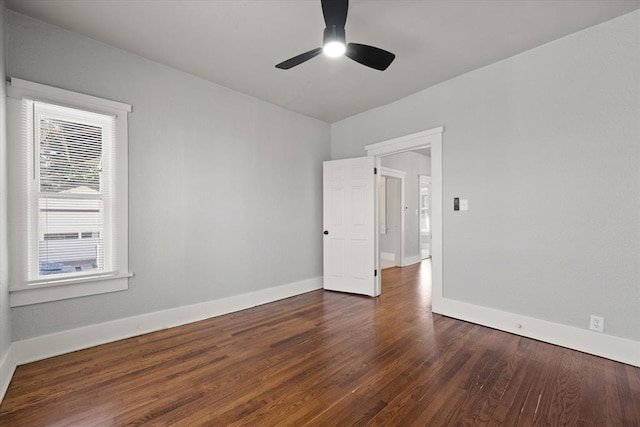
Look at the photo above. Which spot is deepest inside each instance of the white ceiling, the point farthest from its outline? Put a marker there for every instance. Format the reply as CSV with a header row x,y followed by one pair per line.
x,y
237,43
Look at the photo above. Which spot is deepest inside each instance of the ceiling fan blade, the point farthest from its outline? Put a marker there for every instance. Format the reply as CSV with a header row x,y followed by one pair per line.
x,y
370,56
335,12
297,60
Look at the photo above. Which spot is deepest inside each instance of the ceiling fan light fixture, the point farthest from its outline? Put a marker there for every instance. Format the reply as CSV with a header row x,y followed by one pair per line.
x,y
334,49
334,42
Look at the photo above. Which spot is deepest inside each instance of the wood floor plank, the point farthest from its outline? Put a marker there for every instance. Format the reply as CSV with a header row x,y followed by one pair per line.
x,y
327,359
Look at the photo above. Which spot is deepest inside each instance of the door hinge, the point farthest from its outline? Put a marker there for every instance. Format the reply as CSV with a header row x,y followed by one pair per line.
x,y
375,273
375,171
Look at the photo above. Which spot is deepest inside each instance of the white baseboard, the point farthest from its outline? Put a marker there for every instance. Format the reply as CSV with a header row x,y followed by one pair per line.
x,y
603,345
42,347
410,260
32,349
387,256
8,365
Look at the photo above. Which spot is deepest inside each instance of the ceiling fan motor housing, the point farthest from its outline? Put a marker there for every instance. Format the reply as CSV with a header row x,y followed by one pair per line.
x,y
333,33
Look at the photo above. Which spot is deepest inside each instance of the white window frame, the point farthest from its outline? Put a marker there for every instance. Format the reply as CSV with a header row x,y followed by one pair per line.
x,y
23,290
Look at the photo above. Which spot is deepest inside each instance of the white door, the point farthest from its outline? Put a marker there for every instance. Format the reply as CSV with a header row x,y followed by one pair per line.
x,y
349,226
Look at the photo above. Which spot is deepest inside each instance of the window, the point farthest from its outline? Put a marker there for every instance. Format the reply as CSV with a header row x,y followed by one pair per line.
x,y
68,190
70,193
425,223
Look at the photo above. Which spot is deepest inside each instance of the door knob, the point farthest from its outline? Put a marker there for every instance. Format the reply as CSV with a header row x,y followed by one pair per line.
x,y
326,232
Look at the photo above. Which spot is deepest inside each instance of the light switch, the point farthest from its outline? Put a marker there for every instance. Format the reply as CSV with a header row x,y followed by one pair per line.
x,y
464,205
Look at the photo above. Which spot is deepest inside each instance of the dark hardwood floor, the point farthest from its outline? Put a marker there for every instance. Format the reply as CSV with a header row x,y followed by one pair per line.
x,y
327,359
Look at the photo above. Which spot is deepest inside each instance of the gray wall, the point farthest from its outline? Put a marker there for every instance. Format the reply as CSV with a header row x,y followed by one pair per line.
x,y
225,191
413,164
5,324
545,145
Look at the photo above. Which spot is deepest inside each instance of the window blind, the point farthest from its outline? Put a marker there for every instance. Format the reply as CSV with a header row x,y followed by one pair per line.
x,y
70,158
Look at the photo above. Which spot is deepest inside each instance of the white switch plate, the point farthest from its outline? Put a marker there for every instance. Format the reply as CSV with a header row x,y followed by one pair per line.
x,y
464,205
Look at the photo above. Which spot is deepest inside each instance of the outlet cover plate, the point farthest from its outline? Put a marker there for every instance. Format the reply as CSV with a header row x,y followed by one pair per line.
x,y
597,323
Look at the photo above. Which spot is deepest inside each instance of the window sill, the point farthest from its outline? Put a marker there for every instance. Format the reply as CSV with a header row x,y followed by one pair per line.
x,y
74,289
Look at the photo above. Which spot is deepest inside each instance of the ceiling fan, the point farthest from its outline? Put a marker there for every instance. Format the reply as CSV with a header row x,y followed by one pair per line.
x,y
333,43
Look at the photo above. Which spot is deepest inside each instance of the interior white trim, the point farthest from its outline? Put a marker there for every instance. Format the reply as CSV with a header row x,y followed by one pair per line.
x,y
405,143
8,366
19,88
411,260
394,173
88,286
603,345
42,347
388,256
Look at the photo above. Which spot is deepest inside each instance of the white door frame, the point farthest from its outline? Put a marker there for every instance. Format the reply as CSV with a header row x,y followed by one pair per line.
x,y
429,138
401,175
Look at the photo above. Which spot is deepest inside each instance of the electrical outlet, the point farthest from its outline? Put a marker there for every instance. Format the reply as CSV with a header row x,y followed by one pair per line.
x,y
597,323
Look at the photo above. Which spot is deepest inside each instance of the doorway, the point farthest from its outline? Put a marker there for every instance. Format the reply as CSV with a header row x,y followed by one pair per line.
x,y
409,203
431,139
390,218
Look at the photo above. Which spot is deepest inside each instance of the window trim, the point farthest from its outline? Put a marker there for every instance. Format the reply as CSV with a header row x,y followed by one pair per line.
x,y
25,292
